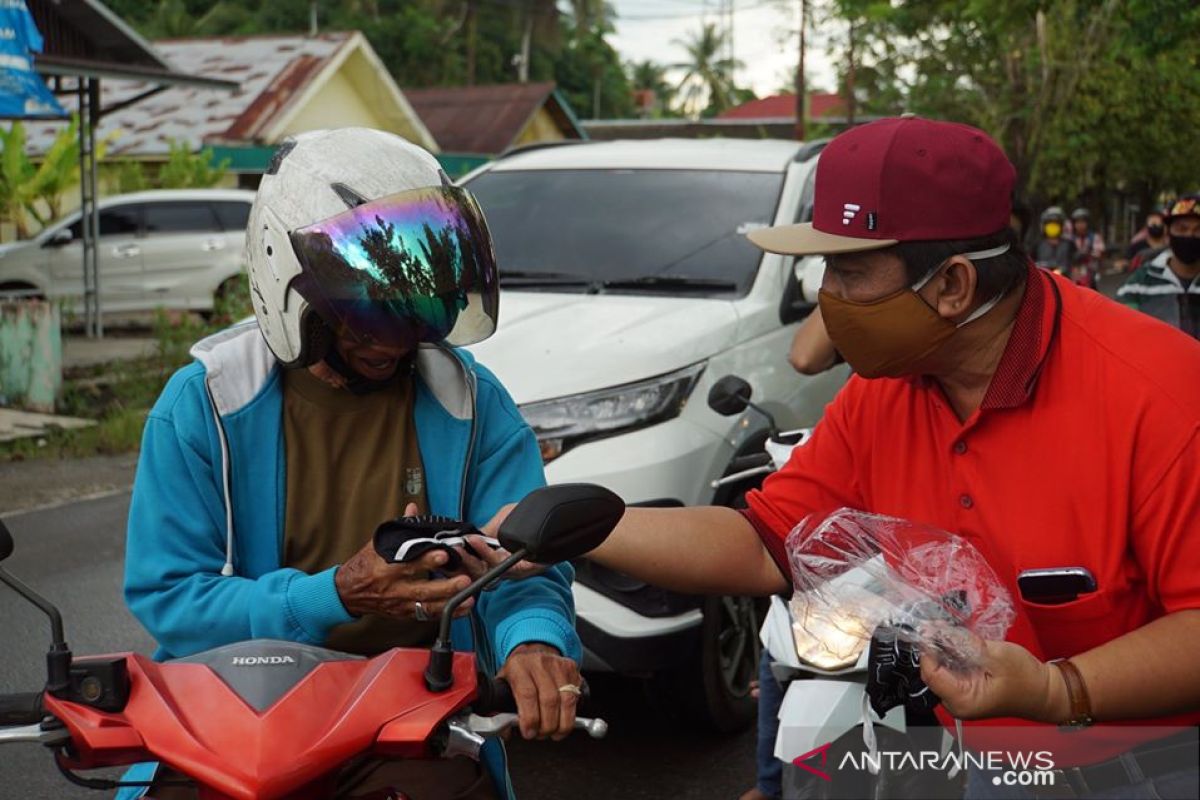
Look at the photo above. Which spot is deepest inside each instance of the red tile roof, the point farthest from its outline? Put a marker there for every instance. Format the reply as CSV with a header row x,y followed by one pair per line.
x,y
486,120
783,106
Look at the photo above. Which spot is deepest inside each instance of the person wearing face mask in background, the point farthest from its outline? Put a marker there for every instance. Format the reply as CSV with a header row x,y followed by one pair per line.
x,y
1166,287
1149,241
964,413
1054,251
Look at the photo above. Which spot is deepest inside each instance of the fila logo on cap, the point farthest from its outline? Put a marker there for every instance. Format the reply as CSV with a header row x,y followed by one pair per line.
x,y
849,210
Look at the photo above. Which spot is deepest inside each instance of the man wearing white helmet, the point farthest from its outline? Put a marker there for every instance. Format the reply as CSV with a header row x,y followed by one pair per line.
x,y
268,463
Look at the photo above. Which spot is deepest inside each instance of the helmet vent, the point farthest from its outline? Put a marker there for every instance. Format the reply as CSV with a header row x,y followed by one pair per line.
x,y
351,198
279,155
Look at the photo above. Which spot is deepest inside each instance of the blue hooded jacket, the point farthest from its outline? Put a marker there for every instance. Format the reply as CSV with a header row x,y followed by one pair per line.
x,y
205,536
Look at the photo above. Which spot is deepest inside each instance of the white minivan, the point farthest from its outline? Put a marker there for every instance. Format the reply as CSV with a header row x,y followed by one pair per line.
x,y
628,289
168,248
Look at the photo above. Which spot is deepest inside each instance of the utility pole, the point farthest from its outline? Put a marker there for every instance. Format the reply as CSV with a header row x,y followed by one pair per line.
x,y
732,50
526,42
471,32
850,100
800,82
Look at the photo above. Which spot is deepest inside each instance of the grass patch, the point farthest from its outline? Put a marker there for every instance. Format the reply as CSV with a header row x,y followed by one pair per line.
x,y
118,395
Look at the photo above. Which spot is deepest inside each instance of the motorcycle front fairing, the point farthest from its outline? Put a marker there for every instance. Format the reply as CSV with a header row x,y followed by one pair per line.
x,y
267,719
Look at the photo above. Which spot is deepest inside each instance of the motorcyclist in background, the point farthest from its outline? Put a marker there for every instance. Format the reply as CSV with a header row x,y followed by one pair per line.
x,y
1054,251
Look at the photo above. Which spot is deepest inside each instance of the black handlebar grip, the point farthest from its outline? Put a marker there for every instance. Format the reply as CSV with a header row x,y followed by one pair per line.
x,y
496,696
21,709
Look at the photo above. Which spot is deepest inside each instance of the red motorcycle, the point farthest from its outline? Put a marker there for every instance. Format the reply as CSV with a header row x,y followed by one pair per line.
x,y
267,720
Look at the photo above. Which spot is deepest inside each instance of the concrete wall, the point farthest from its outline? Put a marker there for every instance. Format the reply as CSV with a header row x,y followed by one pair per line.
x,y
30,354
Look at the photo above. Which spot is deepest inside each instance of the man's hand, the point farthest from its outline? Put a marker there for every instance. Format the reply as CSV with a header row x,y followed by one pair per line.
x,y
536,672
367,584
1008,682
490,558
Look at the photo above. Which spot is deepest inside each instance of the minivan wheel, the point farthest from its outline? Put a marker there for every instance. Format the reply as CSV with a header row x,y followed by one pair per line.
x,y
714,690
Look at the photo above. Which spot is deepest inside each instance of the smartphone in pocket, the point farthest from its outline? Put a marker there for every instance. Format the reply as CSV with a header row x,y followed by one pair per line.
x,y
1055,585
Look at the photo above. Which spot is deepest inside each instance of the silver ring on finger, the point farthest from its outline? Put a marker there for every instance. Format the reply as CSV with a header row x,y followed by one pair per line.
x,y
571,688
420,612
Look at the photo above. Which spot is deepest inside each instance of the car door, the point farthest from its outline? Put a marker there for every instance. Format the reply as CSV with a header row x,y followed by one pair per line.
x,y
183,242
118,258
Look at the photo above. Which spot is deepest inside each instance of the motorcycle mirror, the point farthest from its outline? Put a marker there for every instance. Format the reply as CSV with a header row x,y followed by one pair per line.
x,y
58,660
6,541
554,523
559,523
729,396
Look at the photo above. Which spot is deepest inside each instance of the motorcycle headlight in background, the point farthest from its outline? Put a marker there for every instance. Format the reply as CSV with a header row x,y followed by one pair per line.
x,y
564,422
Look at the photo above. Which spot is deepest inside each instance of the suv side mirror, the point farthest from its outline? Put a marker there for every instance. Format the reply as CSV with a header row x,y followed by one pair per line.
x,y
795,306
729,396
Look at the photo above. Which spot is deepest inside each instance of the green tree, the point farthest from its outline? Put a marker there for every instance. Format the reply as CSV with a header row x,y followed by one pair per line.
x,y
1086,96
185,169
708,75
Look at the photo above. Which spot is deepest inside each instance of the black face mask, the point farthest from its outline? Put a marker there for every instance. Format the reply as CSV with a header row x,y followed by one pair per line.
x,y
1155,231
1186,249
356,383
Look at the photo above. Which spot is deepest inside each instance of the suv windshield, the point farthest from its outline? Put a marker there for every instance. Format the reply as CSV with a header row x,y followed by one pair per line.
x,y
643,230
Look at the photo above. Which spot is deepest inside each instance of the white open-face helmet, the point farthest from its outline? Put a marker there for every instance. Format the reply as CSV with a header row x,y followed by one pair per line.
x,y
357,231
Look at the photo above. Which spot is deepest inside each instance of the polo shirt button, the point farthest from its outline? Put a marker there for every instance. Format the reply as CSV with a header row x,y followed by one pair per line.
x,y
960,447
966,502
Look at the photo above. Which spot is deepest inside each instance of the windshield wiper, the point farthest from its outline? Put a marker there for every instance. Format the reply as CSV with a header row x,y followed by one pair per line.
x,y
516,277
669,282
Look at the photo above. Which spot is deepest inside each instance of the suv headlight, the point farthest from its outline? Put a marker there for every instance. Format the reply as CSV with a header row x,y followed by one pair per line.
x,y
564,422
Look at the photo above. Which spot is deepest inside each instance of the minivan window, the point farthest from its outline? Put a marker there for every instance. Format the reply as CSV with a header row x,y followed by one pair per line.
x,y
233,214
162,218
116,221
598,226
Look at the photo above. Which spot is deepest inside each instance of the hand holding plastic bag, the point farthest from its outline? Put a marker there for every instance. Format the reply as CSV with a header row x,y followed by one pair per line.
x,y
855,572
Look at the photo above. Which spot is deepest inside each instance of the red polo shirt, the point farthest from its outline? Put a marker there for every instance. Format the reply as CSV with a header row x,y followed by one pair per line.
x,y
1083,453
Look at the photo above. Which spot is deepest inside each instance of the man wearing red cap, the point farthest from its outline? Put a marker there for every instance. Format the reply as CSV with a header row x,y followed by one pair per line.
x,y
1049,426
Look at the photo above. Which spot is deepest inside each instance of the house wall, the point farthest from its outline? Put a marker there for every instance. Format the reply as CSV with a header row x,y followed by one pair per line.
x,y
337,104
542,128
355,95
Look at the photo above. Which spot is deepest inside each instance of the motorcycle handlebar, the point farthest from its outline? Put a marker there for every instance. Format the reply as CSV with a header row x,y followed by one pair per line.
x,y
496,696
24,708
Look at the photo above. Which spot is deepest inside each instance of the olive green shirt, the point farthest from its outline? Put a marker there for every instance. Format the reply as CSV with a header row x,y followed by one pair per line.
x,y
353,461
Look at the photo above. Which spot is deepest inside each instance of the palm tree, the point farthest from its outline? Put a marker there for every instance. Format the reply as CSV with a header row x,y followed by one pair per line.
x,y
707,72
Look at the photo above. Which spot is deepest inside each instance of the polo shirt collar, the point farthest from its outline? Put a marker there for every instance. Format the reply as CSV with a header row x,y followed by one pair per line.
x,y
1029,343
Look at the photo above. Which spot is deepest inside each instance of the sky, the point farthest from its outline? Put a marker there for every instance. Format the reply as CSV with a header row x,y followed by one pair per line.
x,y
764,34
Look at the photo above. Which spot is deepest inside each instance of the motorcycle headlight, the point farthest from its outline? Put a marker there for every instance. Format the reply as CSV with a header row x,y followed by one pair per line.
x,y
830,644
564,422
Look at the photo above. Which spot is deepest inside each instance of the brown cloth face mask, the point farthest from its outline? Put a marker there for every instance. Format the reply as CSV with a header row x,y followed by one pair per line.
x,y
890,337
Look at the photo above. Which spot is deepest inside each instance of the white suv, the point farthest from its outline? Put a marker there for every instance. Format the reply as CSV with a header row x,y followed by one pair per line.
x,y
171,248
629,288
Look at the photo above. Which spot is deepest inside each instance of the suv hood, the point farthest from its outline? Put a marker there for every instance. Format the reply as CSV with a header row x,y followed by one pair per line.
x,y
554,344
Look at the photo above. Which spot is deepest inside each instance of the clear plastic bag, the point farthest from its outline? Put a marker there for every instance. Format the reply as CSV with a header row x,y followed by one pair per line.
x,y
854,572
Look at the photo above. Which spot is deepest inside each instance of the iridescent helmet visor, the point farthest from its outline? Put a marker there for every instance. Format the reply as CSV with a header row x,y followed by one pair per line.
x,y
412,267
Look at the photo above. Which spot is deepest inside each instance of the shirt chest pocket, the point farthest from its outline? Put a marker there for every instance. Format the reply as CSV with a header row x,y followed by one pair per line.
x,y
1067,629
